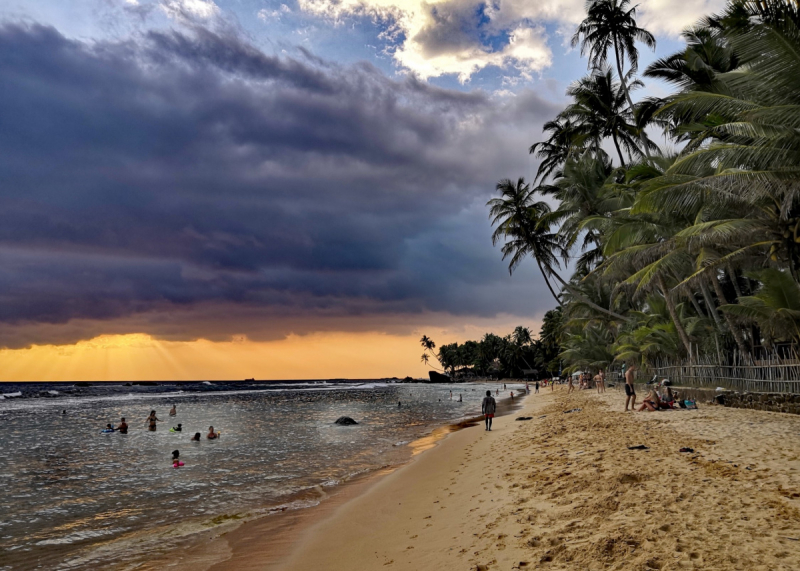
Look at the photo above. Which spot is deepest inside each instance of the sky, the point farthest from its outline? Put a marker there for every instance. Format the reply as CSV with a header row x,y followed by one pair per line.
x,y
220,189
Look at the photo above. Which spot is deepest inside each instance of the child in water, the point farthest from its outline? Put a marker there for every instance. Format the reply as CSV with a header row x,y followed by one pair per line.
x,y
196,437
176,463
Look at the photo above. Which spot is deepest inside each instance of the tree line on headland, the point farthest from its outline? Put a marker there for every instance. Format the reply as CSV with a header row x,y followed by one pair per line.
x,y
687,248
515,355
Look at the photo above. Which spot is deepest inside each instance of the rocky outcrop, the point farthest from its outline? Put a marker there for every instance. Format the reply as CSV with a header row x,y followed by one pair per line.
x,y
345,421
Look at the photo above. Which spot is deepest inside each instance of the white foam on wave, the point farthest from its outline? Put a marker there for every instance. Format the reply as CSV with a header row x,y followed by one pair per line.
x,y
77,401
12,395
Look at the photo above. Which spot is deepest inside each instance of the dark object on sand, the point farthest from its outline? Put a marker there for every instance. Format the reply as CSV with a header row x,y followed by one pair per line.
x,y
686,449
345,421
524,418
572,410
640,447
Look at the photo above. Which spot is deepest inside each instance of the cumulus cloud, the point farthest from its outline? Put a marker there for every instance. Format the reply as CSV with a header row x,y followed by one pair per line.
x,y
186,184
461,37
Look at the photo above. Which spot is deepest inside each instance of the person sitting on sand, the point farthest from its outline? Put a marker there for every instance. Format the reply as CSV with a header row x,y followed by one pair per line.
x,y
123,426
173,411
667,398
196,437
630,392
488,408
152,419
211,434
651,402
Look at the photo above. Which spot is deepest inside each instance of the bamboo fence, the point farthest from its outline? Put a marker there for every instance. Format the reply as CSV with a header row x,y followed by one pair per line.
x,y
769,373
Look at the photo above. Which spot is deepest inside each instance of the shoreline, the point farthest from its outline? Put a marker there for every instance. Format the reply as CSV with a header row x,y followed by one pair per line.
x,y
211,549
564,491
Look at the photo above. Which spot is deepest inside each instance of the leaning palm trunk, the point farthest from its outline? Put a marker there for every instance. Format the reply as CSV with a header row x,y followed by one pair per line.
x,y
673,313
583,299
627,92
737,334
712,309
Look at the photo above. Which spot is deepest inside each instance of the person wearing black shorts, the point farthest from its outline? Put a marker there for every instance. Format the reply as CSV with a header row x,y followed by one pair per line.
x,y
630,392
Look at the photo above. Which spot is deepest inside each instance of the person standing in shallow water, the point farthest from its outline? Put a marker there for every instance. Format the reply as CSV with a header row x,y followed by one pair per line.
x,y
152,419
488,408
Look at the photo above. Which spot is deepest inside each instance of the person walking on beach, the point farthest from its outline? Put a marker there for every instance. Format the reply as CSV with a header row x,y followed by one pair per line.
x,y
571,385
630,392
601,381
536,387
152,419
488,407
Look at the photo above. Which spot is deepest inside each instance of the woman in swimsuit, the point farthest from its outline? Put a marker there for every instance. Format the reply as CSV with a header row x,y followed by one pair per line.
x,y
211,434
152,419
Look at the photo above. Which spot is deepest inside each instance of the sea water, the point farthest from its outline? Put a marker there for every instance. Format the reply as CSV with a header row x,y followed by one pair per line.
x,y
74,498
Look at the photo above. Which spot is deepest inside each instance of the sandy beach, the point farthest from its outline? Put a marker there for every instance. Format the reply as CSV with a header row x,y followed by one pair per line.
x,y
560,491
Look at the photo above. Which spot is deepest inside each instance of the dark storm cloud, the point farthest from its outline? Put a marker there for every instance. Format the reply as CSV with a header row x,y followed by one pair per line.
x,y
186,171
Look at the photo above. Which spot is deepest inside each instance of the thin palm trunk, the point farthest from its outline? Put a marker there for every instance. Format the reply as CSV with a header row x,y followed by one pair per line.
x,y
582,298
547,281
711,306
673,313
696,305
627,93
619,152
737,334
734,281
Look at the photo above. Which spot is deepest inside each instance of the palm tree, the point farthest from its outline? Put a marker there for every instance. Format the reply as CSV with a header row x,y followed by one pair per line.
x,y
599,112
707,55
428,347
611,25
519,221
775,307
565,140
515,215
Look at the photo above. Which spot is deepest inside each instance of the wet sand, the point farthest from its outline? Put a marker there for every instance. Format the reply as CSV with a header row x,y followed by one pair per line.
x,y
563,491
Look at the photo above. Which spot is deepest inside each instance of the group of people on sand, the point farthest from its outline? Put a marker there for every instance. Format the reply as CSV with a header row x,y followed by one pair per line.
x,y
663,399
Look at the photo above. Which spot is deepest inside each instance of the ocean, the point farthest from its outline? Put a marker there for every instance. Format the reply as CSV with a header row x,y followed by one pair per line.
x,y
76,498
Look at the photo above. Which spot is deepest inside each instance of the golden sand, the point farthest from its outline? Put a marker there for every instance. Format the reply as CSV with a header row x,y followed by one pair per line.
x,y
563,491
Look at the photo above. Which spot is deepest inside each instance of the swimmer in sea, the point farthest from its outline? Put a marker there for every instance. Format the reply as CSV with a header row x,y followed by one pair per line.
x,y
123,426
211,434
196,437
176,462
177,428
173,411
152,419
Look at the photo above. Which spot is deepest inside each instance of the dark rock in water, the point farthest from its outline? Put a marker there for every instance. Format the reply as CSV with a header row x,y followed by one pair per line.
x,y
438,377
524,418
81,384
345,421
408,380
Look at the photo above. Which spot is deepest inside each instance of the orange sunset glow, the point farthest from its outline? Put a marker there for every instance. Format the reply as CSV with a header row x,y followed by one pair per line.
x,y
139,356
